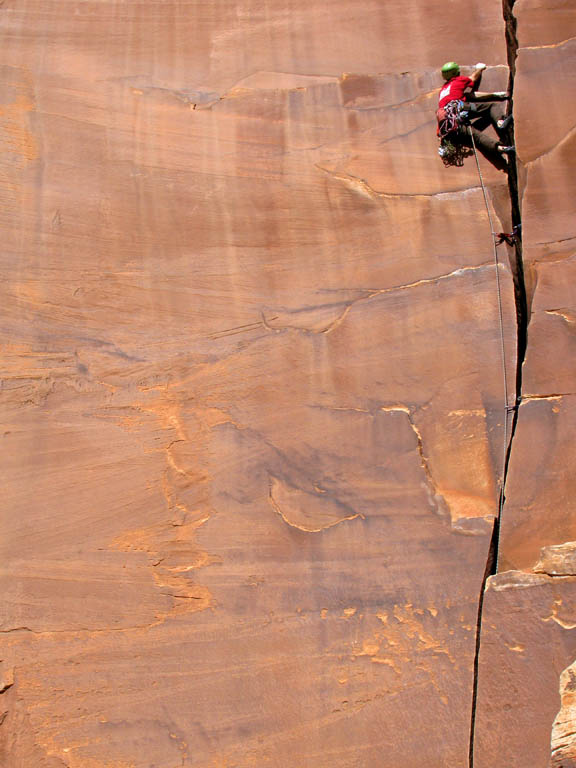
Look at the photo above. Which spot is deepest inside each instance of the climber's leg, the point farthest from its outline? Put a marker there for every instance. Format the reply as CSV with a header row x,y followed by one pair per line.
x,y
485,113
483,141
489,146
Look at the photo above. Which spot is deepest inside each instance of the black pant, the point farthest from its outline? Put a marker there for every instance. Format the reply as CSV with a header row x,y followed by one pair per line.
x,y
482,114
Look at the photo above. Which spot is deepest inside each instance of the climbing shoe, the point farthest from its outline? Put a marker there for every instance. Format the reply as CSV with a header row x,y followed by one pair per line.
x,y
506,150
504,123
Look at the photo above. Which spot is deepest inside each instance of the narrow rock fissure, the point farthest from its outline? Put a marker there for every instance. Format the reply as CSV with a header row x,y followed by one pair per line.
x,y
517,269
490,565
516,266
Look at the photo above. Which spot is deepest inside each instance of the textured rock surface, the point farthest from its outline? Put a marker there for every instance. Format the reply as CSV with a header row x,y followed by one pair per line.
x,y
528,639
547,151
252,402
528,636
558,560
564,728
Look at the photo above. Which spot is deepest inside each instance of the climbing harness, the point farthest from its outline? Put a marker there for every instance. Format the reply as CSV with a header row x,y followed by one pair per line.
x,y
451,118
497,239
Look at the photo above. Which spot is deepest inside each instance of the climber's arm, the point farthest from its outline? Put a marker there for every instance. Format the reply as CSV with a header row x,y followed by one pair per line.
x,y
474,95
481,96
477,74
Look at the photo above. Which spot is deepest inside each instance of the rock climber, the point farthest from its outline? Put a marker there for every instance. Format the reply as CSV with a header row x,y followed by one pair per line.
x,y
479,110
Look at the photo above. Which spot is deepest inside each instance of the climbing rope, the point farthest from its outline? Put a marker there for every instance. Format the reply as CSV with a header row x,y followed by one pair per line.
x,y
495,243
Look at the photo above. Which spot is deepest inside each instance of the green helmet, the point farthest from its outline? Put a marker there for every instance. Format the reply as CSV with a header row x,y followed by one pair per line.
x,y
450,69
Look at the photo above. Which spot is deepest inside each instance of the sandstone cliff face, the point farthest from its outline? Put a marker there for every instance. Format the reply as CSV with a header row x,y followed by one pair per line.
x,y
253,406
529,625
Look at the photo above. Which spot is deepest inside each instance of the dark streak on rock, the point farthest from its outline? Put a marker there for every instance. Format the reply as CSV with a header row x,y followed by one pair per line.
x,y
522,318
490,566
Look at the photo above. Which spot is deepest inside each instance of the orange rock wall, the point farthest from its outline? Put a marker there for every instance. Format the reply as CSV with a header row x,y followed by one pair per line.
x,y
252,404
529,625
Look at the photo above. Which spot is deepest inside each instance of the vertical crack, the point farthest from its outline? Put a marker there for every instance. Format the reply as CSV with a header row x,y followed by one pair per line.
x,y
516,263
517,269
489,570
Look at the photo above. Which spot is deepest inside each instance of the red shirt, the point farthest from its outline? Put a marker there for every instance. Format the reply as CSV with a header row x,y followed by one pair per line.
x,y
454,90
